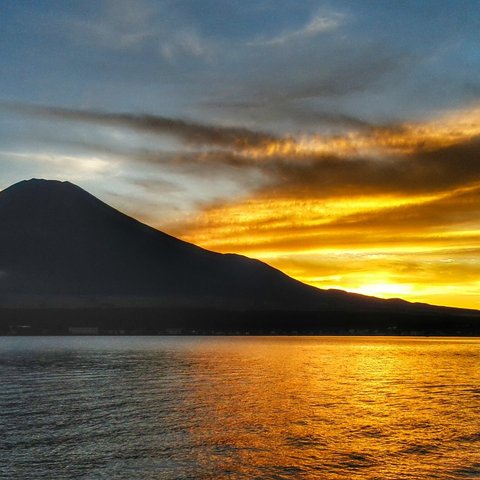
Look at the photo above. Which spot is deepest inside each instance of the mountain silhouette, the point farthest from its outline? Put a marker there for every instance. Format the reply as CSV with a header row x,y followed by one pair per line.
x,y
57,239
60,244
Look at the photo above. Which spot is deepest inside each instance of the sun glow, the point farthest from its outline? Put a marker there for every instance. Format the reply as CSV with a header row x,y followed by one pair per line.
x,y
447,130
384,290
415,245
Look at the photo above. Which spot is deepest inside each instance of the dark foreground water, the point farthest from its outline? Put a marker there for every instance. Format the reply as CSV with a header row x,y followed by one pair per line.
x,y
239,408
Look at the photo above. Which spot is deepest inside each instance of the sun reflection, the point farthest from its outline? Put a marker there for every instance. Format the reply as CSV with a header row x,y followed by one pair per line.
x,y
348,415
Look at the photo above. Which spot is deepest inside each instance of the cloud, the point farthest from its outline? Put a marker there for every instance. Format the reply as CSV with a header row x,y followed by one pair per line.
x,y
291,114
314,72
429,268
191,132
269,227
185,41
120,25
74,167
418,161
377,190
320,23
302,174
417,172
404,159
458,209
125,26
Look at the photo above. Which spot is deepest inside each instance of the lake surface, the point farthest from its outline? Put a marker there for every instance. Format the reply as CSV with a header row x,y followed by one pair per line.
x,y
239,408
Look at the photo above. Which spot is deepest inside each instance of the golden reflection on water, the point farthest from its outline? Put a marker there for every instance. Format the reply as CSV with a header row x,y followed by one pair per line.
x,y
240,408
338,407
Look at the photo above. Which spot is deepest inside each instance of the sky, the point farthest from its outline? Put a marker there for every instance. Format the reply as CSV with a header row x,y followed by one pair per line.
x,y
338,141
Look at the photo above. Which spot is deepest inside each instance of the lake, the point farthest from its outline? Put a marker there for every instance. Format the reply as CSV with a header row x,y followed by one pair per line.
x,y
239,408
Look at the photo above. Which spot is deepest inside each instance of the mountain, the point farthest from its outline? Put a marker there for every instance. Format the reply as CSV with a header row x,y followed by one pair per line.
x,y
58,240
62,247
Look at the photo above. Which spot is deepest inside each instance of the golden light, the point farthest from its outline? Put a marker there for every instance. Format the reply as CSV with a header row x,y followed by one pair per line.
x,y
448,129
362,243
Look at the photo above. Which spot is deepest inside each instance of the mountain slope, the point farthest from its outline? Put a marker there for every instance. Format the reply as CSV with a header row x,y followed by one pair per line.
x,y
58,241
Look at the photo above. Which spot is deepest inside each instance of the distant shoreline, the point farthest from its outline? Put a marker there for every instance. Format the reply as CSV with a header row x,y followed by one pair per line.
x,y
155,321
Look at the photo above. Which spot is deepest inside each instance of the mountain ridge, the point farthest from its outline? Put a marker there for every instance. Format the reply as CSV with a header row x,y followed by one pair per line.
x,y
61,247
48,222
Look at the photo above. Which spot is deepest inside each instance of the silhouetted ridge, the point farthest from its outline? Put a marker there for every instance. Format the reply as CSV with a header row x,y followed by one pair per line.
x,y
58,241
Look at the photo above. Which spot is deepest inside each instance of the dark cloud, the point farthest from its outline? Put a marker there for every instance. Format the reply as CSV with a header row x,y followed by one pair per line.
x,y
425,168
423,171
156,185
359,75
191,132
297,115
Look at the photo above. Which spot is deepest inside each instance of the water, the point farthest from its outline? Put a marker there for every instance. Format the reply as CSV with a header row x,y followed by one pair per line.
x,y
239,408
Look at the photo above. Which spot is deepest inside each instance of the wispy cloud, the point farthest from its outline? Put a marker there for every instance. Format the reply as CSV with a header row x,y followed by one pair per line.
x,y
396,159
186,41
128,26
321,22
74,167
119,25
189,131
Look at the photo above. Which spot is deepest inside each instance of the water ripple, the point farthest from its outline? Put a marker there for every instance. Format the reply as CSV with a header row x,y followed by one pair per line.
x,y
239,408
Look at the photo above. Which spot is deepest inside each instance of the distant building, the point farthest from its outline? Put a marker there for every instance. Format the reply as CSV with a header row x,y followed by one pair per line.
x,y
83,330
173,331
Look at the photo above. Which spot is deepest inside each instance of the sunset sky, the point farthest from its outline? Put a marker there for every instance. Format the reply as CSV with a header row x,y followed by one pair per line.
x,y
338,141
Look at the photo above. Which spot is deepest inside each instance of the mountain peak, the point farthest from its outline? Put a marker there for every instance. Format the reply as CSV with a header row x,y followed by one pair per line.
x,y
41,184
43,181
38,189
57,238
42,205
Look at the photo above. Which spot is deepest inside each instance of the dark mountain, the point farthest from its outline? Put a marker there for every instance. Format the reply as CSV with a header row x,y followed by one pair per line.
x,y
58,240
61,246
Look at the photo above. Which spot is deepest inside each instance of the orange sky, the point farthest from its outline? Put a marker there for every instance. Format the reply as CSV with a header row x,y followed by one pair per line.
x,y
390,212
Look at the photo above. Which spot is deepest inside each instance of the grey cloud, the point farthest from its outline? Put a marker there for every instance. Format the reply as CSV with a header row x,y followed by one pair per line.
x,y
215,148
133,27
294,115
430,171
335,76
338,80
423,171
326,176
122,25
191,132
